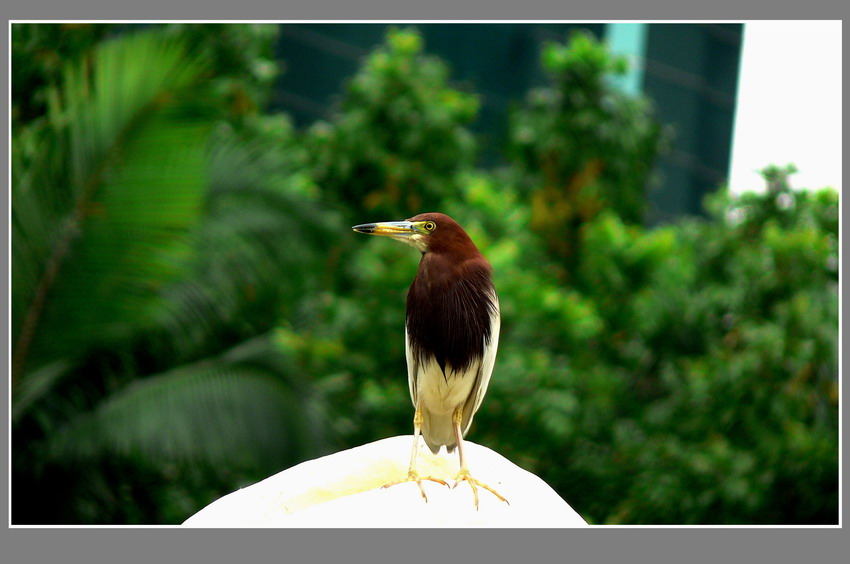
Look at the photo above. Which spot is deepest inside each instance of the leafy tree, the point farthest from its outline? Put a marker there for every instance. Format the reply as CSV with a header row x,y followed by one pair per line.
x,y
39,54
397,142
151,233
581,146
695,381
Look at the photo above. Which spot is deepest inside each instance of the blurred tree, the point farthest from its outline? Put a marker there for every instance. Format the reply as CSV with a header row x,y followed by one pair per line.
x,y
704,388
398,140
244,61
79,172
39,56
581,145
151,233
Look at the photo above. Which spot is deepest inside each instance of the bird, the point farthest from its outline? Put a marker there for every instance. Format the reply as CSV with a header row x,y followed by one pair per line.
x,y
451,333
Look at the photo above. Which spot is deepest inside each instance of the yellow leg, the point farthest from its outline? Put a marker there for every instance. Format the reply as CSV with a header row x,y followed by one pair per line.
x,y
464,475
412,474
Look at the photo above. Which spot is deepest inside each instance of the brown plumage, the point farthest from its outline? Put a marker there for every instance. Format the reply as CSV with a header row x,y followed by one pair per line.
x,y
451,332
449,310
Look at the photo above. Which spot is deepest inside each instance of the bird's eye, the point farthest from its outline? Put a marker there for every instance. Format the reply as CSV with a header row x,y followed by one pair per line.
x,y
430,226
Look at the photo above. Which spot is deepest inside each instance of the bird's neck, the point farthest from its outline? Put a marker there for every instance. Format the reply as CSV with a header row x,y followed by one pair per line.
x,y
443,270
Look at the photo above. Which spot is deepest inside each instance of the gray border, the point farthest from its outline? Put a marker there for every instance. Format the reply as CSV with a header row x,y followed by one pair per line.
x,y
439,10
588,545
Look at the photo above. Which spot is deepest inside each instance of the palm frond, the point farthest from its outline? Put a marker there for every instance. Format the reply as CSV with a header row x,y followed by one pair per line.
x,y
264,242
232,411
104,190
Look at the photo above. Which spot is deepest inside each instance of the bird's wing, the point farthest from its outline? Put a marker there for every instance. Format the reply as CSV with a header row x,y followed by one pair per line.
x,y
485,368
412,367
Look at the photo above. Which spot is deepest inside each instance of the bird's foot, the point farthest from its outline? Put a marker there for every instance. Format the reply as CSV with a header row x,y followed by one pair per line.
x,y
464,476
413,476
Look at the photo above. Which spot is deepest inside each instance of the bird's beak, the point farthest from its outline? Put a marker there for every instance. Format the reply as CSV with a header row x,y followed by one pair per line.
x,y
396,229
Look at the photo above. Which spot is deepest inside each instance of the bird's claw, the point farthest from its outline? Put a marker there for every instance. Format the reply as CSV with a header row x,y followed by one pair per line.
x,y
414,477
464,476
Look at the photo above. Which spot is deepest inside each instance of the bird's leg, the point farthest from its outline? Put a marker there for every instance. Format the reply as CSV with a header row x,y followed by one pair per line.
x,y
463,474
412,474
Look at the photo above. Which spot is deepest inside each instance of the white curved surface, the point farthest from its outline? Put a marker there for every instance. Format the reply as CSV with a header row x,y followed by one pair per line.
x,y
344,490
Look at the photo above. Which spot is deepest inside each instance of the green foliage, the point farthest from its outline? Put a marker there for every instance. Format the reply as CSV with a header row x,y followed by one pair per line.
x,y
152,230
205,317
731,381
397,141
78,181
244,61
581,146
227,415
39,55
700,385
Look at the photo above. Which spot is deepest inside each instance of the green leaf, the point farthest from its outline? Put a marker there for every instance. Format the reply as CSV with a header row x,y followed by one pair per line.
x,y
232,411
104,192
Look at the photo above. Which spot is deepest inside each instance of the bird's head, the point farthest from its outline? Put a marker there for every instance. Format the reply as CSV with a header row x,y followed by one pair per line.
x,y
428,232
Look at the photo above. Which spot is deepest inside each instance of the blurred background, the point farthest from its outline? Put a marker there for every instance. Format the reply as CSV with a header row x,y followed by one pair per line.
x,y
191,312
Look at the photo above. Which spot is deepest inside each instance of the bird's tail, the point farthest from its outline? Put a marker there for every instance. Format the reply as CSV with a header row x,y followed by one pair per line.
x,y
438,430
